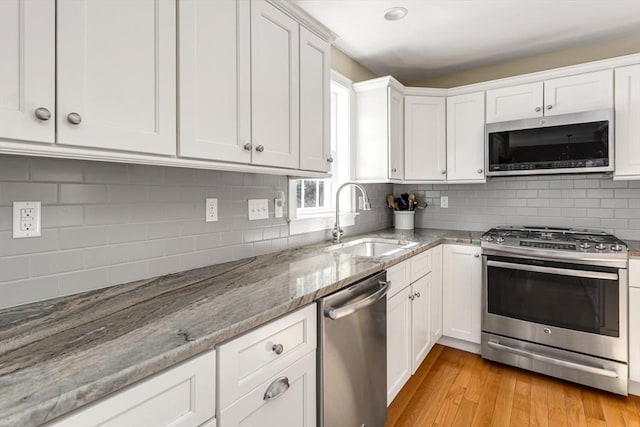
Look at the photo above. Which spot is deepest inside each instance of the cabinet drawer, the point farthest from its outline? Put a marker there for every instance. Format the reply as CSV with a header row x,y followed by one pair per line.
x,y
420,265
400,277
183,396
634,273
294,406
250,360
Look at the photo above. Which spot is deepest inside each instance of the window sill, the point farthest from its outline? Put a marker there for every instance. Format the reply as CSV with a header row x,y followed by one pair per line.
x,y
320,222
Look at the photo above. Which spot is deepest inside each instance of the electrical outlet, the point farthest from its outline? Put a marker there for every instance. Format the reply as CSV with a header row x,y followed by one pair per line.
x,y
26,219
278,204
258,209
211,210
444,202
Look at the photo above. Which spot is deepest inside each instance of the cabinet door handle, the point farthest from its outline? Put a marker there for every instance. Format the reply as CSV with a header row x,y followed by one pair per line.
x,y
549,107
247,146
538,109
479,170
476,255
417,294
394,170
277,348
43,114
443,172
74,118
260,148
276,388
329,159
412,297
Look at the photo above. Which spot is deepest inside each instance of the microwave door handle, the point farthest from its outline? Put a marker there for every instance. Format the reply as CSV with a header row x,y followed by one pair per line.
x,y
554,270
553,361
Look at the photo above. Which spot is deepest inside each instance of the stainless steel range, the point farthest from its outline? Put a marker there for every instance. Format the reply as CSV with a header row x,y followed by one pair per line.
x,y
554,301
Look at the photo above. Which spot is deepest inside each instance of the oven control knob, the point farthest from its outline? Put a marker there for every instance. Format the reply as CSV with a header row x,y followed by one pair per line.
x,y
500,239
617,247
601,246
585,245
489,238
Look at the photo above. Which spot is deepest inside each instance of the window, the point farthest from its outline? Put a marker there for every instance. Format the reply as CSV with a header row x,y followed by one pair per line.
x,y
312,200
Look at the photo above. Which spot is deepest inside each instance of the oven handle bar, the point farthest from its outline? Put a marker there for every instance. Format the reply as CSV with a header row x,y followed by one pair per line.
x,y
557,362
553,270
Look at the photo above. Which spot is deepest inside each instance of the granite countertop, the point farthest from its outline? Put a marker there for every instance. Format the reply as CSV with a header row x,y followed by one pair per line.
x,y
634,248
61,354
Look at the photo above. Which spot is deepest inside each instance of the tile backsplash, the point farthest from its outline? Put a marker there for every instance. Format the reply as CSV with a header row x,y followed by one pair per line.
x,y
110,223
580,201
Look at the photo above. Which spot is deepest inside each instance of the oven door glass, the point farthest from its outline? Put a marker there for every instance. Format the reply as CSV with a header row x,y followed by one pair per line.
x,y
555,294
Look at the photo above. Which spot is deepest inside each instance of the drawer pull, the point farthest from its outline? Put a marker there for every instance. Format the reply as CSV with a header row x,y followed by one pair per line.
x,y
277,348
417,294
276,388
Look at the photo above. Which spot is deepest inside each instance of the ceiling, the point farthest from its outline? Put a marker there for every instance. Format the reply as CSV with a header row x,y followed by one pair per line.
x,y
443,36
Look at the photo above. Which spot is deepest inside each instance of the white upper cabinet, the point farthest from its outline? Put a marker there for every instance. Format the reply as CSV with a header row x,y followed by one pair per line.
x,y
627,112
514,102
315,110
27,74
465,137
215,80
564,95
379,130
425,154
582,92
275,86
116,71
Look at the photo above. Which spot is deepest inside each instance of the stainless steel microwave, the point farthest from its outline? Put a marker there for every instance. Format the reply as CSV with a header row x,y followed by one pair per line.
x,y
569,143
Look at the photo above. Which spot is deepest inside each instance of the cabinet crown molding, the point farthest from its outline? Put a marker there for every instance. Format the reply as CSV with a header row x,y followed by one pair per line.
x,y
380,82
306,20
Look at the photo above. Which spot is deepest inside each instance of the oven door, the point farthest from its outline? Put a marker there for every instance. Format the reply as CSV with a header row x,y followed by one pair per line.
x,y
569,306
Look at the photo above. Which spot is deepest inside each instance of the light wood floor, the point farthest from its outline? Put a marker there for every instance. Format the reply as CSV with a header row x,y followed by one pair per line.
x,y
456,388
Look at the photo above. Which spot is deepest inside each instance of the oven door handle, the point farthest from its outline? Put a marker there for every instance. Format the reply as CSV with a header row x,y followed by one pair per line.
x,y
554,270
553,361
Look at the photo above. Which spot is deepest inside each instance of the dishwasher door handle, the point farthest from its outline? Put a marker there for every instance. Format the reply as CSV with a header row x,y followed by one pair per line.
x,y
336,313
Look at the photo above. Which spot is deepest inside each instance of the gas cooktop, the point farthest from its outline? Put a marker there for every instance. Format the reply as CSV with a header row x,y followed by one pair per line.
x,y
554,239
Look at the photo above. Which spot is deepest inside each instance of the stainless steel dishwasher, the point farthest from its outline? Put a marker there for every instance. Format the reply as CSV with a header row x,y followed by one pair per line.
x,y
352,377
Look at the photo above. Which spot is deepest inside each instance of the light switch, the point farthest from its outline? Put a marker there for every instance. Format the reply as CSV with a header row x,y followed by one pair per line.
x,y
258,209
444,202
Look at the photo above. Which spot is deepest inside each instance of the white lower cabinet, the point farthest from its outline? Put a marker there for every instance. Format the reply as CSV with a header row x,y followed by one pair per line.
x,y
412,318
268,376
634,320
182,396
286,400
461,292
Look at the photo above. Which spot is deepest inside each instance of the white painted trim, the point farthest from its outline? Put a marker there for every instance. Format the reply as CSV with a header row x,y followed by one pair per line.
x,y
634,388
56,151
425,91
471,347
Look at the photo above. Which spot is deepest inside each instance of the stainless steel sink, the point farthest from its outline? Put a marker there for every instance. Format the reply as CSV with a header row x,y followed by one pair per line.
x,y
373,248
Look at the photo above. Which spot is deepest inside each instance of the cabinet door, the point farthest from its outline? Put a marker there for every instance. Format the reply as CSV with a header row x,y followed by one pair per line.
x,y
627,129
315,125
182,396
582,92
27,74
436,294
461,287
420,321
515,102
398,342
396,134
293,406
425,154
117,74
465,137
634,334
215,80
275,86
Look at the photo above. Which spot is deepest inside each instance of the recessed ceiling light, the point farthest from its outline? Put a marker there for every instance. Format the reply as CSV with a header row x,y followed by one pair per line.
x,y
395,13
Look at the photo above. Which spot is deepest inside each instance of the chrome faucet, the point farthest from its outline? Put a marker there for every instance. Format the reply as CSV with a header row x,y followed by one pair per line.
x,y
337,230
